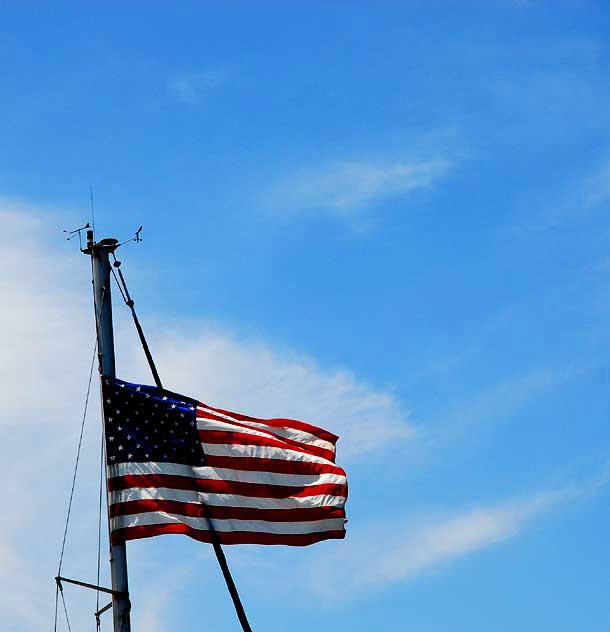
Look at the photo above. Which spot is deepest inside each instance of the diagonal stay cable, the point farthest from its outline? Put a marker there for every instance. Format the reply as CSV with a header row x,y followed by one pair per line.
x,y
129,302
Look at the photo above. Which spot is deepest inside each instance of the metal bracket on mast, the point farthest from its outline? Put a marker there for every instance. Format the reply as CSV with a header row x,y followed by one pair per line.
x,y
101,611
109,591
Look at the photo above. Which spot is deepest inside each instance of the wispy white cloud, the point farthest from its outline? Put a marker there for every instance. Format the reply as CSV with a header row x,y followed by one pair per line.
x,y
192,87
552,89
499,401
579,200
596,188
346,186
402,552
390,550
258,378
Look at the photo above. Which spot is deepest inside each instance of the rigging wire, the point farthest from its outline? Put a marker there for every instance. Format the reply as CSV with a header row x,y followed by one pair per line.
x,y
59,589
80,442
56,605
78,451
63,600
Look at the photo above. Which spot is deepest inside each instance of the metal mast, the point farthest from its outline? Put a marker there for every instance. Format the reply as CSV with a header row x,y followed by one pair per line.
x,y
105,345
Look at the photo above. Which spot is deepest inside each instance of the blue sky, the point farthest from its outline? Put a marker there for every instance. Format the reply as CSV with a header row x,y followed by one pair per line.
x,y
390,219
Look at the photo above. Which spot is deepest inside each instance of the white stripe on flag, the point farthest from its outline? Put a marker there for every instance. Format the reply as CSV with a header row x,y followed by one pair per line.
x,y
225,500
224,474
259,526
262,452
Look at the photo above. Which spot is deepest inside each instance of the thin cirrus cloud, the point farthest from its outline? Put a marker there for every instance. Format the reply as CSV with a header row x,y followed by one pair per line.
x,y
191,88
344,188
584,199
498,402
375,558
280,382
391,550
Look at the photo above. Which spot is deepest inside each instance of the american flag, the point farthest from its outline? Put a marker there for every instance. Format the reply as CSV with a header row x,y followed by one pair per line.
x,y
175,464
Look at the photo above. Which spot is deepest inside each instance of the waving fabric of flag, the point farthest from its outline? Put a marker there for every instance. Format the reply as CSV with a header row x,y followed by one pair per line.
x,y
176,465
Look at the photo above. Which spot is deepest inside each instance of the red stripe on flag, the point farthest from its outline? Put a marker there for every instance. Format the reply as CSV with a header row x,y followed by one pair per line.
x,y
196,510
242,438
254,490
228,537
236,424
280,423
278,466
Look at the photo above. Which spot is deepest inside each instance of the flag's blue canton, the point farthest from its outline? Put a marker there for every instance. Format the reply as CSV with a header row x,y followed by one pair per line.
x,y
145,423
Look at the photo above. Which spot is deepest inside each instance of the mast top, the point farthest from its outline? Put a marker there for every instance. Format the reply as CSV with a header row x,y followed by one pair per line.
x,y
109,243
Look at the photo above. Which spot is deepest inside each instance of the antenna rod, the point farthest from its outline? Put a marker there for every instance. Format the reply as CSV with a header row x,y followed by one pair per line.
x,y
105,345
